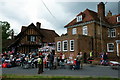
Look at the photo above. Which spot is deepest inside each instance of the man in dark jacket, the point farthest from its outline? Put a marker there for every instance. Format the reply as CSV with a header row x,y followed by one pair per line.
x,y
51,60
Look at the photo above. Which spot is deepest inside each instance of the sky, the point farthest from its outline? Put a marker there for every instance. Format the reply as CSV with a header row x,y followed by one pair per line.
x,y
51,14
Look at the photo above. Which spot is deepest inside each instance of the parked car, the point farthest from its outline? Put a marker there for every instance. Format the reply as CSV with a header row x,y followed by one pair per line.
x,y
115,65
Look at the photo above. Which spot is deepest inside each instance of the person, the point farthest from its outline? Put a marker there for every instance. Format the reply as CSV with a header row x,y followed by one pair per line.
x,y
63,57
90,59
48,60
105,58
78,61
41,56
51,60
85,57
39,65
35,62
81,60
91,54
55,61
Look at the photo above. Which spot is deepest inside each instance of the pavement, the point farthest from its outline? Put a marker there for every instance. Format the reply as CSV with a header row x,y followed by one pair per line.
x,y
93,71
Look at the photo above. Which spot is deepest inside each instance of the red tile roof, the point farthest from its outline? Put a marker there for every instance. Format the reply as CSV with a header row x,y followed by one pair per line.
x,y
89,15
113,19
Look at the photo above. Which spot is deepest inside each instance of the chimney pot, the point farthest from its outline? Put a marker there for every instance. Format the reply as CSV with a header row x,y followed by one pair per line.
x,y
38,25
109,13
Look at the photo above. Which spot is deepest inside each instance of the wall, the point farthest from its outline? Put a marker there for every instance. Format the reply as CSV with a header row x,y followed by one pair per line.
x,y
81,43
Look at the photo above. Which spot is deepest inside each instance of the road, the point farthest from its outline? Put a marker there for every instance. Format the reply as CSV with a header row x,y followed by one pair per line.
x,y
95,71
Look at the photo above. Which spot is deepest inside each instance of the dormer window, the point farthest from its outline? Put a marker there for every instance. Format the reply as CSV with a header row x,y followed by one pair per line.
x,y
118,19
79,18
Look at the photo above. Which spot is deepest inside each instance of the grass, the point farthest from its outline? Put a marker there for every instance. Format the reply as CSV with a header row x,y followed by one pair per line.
x,y
23,77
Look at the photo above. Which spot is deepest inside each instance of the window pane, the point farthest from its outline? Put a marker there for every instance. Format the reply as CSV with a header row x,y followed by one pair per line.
x,y
85,31
58,46
64,45
79,18
71,45
74,31
32,38
111,33
118,19
110,47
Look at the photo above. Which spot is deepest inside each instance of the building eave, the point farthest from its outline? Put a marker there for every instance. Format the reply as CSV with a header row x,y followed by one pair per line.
x,y
81,24
85,23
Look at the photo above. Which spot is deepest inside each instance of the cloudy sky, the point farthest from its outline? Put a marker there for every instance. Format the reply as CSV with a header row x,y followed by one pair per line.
x,y
52,14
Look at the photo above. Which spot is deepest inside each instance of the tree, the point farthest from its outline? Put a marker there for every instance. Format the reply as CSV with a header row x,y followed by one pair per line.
x,y
5,29
6,33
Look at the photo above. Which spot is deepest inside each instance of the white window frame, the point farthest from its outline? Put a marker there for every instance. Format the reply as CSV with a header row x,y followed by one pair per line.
x,y
110,33
72,46
108,47
32,38
59,46
79,18
85,30
118,19
74,31
64,46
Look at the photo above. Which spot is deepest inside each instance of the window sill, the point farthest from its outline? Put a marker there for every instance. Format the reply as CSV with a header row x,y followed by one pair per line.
x,y
71,50
110,51
65,50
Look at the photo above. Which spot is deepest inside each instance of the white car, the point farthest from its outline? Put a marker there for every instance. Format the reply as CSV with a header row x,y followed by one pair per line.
x,y
115,65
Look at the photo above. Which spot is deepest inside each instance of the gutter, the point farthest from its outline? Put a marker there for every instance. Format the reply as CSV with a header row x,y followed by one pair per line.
x,y
85,23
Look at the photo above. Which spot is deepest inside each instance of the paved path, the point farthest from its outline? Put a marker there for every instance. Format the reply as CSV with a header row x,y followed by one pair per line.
x,y
86,71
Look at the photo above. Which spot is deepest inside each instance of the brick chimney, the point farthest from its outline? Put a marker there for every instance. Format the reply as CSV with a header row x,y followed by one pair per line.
x,y
38,25
101,10
109,13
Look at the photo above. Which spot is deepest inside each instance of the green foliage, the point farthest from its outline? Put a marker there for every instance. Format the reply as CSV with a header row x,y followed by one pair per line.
x,y
5,29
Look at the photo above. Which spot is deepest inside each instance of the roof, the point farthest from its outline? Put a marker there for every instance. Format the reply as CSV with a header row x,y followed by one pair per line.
x,y
23,28
89,15
113,19
47,35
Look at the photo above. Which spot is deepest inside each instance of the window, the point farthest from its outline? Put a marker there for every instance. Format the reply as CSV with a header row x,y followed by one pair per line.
x,y
74,31
79,18
85,30
71,45
110,47
65,45
59,46
111,32
118,19
32,38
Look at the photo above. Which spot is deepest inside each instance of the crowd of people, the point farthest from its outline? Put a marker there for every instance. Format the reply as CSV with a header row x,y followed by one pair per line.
x,y
48,60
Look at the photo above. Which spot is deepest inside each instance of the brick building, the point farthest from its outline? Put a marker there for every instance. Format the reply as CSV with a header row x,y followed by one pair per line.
x,y
33,37
91,31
